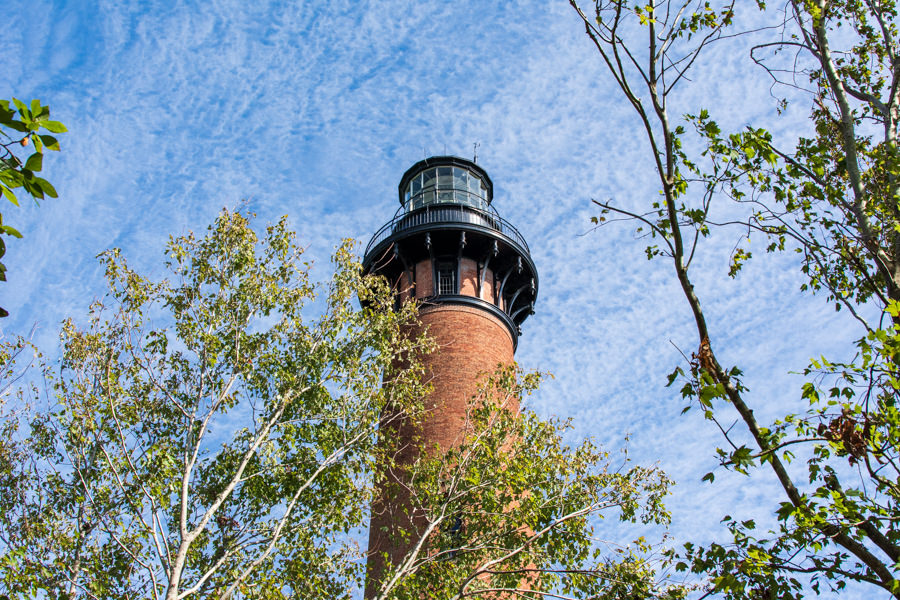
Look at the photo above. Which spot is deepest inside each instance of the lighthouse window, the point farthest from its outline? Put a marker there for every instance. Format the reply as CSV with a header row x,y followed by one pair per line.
x,y
446,278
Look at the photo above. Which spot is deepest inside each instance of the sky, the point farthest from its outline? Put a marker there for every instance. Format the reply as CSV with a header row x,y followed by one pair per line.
x,y
315,109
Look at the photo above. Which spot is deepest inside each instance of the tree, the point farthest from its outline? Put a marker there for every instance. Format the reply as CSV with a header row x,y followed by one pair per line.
x,y
20,128
202,437
511,511
833,198
224,455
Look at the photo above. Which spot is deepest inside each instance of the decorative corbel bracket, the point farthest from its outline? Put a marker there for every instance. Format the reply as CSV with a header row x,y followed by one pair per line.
x,y
518,269
483,266
407,268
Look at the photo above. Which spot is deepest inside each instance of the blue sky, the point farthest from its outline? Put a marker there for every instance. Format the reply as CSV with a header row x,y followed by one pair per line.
x,y
176,109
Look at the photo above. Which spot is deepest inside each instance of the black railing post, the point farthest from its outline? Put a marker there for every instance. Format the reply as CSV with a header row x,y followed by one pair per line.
x,y
448,214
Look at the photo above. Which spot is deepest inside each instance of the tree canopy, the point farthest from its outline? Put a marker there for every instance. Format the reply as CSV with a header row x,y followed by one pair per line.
x,y
512,511
833,199
215,434
201,434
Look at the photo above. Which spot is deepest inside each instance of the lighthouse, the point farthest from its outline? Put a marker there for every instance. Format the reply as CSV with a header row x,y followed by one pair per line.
x,y
471,273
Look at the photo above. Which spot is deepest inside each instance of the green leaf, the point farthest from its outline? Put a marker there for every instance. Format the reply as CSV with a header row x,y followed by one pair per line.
x,y
742,457
50,142
54,126
18,126
10,231
23,110
785,511
11,176
678,372
810,393
42,114
46,187
710,392
35,162
31,186
893,308
8,193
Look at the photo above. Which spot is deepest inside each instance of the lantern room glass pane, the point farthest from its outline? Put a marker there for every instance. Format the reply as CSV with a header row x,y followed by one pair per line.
x,y
428,178
445,178
459,179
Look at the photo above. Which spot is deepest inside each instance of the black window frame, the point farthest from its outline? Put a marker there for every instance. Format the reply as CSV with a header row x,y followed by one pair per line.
x,y
446,277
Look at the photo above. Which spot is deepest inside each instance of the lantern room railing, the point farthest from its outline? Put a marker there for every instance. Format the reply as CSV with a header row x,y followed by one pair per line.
x,y
436,214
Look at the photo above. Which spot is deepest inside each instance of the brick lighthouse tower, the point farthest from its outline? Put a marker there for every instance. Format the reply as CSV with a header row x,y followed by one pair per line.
x,y
472,274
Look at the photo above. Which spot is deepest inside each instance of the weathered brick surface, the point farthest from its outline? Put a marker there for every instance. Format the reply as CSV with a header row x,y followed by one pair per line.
x,y
487,289
424,279
468,281
471,344
468,277
404,287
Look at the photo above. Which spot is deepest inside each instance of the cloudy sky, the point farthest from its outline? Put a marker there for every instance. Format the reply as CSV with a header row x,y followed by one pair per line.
x,y
176,109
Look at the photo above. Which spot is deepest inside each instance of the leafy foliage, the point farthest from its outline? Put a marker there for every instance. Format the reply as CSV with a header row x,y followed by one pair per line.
x,y
202,437
224,454
833,199
511,511
20,126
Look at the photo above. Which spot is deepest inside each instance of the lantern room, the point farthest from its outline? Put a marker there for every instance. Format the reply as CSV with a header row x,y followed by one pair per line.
x,y
448,245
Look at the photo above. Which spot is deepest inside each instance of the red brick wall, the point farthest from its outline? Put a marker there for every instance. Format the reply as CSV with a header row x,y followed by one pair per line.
x,y
424,279
471,344
468,277
404,287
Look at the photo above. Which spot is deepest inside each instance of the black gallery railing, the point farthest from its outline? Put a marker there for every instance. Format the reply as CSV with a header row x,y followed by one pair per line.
x,y
455,213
